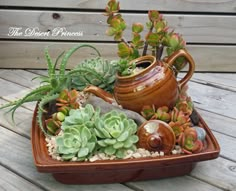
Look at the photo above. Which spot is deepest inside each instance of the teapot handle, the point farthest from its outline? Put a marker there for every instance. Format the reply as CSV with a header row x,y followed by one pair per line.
x,y
170,61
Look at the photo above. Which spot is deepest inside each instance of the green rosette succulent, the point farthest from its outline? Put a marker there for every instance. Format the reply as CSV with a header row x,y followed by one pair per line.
x,y
115,133
76,141
83,116
95,71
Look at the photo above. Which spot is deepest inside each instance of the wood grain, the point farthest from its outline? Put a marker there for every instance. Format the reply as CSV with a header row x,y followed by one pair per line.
x,y
219,172
194,28
10,181
162,5
14,54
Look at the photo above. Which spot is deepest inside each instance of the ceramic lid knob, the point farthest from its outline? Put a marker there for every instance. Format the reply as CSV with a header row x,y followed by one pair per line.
x,y
156,135
154,141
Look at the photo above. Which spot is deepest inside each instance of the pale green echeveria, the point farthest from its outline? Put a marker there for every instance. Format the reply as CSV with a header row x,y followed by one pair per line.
x,y
76,141
82,116
116,133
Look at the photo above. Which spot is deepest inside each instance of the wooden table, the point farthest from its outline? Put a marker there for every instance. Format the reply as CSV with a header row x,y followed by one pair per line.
x,y
214,96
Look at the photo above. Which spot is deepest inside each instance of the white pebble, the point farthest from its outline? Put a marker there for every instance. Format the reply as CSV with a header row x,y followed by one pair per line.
x,y
137,155
155,154
94,158
174,152
74,159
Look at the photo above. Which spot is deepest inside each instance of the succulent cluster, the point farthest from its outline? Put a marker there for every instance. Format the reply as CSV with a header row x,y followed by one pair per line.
x,y
86,131
157,37
76,141
189,137
116,133
96,71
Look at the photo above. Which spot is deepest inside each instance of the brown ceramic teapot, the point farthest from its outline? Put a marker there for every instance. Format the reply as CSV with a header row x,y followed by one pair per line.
x,y
149,86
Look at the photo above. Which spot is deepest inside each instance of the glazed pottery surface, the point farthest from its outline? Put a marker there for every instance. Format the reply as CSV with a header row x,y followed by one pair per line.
x,y
156,135
148,88
114,171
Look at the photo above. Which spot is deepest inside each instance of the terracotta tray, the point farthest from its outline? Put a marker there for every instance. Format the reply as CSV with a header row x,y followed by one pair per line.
x,y
118,170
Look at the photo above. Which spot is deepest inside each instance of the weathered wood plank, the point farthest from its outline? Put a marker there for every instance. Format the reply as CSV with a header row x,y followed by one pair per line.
x,y
21,160
219,172
227,81
21,77
10,181
162,5
194,28
15,54
22,120
13,92
228,146
219,123
213,99
179,183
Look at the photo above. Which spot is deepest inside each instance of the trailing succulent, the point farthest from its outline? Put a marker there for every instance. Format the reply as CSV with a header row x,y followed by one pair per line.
x,y
116,133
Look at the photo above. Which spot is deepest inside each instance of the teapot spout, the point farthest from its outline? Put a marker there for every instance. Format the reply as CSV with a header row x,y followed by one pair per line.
x,y
100,93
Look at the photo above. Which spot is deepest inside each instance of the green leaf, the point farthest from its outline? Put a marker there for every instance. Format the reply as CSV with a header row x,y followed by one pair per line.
x,y
86,133
83,152
118,145
102,143
123,50
123,136
109,150
137,27
120,153
110,141
152,39
68,156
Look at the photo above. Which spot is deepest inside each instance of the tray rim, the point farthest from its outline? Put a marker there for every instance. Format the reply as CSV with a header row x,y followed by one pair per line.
x,y
44,162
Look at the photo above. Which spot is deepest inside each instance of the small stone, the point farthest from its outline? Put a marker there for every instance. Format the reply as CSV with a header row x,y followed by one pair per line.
x,y
137,155
174,152
155,154
162,153
74,159
94,158
112,157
